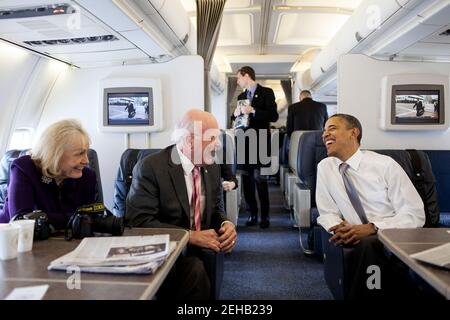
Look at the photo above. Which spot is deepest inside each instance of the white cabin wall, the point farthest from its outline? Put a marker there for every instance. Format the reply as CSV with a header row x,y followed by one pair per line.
x,y
37,90
16,67
359,94
76,95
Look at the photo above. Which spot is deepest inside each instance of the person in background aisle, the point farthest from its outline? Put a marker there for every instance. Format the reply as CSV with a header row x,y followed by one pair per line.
x,y
262,110
306,114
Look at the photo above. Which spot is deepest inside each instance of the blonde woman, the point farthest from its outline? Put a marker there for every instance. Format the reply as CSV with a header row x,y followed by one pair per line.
x,y
54,178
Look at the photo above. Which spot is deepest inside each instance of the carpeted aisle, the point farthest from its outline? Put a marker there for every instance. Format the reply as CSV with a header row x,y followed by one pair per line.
x,y
268,263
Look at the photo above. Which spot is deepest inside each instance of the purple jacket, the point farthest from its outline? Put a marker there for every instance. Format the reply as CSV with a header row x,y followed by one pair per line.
x,y
29,190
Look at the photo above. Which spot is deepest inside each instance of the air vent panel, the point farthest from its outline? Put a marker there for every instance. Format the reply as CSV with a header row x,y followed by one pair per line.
x,y
93,39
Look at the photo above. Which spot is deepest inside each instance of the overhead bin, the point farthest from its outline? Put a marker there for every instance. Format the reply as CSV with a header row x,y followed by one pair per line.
x,y
367,27
166,22
365,20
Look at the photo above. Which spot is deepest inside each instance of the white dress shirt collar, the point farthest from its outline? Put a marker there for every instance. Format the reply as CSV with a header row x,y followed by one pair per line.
x,y
354,160
186,163
252,89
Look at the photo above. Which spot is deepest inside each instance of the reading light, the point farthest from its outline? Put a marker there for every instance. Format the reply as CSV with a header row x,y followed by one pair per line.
x,y
59,10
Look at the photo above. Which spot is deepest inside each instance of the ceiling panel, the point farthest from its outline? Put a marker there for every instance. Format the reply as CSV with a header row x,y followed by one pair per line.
x,y
236,29
350,4
238,4
287,49
81,59
264,69
315,29
60,22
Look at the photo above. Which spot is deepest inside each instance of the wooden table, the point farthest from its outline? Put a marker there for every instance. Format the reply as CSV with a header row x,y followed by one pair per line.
x,y
30,269
404,242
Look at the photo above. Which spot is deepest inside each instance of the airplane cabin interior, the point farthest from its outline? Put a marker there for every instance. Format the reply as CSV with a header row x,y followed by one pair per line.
x,y
126,74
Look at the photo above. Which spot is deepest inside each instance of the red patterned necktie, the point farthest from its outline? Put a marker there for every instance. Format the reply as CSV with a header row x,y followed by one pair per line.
x,y
196,193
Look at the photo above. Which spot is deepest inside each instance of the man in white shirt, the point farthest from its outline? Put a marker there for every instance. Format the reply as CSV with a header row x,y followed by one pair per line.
x,y
359,192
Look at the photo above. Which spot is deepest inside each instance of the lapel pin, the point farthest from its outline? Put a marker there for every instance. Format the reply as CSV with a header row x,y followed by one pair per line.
x,y
46,179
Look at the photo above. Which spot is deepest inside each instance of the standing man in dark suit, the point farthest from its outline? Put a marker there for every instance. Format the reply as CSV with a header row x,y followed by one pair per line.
x,y
306,114
180,187
262,110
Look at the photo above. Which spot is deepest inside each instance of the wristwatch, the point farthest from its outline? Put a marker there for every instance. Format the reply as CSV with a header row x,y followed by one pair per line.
x,y
375,228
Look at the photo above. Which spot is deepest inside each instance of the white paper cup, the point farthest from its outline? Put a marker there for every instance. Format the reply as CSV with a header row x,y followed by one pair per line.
x,y
9,238
26,233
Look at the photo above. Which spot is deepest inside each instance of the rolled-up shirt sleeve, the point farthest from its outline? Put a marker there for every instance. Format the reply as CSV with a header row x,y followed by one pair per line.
x,y
329,214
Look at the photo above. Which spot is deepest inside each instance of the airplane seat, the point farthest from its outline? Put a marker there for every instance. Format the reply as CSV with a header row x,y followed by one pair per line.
x,y
94,165
11,155
310,151
281,136
284,162
5,167
337,259
274,167
227,155
214,263
291,177
124,176
439,163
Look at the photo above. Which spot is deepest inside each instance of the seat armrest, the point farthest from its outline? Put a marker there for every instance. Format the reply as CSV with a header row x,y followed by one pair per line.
x,y
232,205
302,205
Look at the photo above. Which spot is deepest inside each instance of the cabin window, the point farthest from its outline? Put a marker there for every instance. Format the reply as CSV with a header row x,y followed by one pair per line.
x,y
21,139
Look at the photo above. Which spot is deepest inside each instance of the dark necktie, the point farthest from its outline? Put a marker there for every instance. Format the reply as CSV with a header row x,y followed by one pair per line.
x,y
249,95
196,194
352,193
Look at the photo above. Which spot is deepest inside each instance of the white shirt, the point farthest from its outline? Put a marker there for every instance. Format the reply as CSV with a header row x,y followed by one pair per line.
x,y
387,194
187,165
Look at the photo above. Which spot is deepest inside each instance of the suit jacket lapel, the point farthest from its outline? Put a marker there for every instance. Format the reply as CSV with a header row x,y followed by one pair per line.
x,y
179,183
257,92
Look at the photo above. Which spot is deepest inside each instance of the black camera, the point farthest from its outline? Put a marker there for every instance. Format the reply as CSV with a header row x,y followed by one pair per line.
x,y
93,220
42,228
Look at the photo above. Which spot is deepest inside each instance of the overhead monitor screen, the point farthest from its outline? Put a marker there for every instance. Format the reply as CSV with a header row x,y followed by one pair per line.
x,y
130,108
417,106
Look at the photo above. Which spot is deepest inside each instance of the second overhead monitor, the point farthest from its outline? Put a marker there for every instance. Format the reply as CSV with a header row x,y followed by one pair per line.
x,y
417,104
414,102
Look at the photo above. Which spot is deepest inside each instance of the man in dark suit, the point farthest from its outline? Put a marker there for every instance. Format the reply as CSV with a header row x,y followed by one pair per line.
x,y
306,114
180,187
262,110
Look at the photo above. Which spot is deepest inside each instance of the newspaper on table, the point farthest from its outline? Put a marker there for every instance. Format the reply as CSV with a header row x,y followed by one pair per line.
x,y
137,254
438,256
